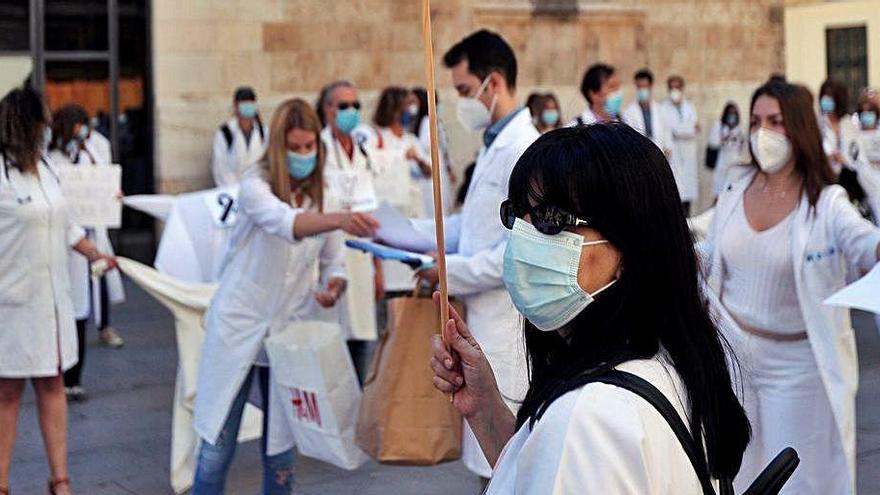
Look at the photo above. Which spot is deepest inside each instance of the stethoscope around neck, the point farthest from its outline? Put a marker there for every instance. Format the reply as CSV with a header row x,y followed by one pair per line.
x,y
20,198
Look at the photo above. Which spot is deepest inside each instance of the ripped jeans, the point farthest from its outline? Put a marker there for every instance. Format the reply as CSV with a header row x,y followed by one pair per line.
x,y
214,460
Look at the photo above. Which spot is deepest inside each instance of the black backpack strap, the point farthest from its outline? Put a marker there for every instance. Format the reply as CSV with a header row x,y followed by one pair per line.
x,y
260,128
648,392
227,135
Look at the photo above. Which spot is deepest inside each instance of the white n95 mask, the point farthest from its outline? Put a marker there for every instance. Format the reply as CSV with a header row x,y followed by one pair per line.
x,y
472,114
771,149
540,272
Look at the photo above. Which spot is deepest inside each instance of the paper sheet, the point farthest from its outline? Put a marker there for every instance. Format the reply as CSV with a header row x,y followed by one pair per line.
x,y
397,231
862,294
91,194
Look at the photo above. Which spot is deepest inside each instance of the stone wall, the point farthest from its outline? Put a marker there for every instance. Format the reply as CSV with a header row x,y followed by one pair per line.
x,y
203,49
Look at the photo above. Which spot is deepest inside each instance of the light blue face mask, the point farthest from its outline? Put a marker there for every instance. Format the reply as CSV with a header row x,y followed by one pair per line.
x,y
614,103
826,104
83,133
643,94
540,272
868,119
550,117
347,120
247,109
301,165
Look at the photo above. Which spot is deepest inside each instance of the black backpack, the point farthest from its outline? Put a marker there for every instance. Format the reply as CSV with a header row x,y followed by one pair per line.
x,y
227,132
769,482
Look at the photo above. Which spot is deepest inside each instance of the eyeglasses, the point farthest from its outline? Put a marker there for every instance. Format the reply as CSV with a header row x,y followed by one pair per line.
x,y
345,105
548,219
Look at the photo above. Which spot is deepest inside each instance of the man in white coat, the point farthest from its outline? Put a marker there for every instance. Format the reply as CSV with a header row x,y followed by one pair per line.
x,y
644,116
680,117
240,141
484,74
601,88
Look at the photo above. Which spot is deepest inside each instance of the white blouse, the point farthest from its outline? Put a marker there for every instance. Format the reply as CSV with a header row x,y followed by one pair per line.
x,y
758,287
601,439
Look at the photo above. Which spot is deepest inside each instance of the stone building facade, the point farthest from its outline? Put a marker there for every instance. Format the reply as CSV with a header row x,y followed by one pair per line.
x,y
203,49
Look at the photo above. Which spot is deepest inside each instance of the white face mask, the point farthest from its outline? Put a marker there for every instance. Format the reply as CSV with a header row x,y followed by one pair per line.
x,y
472,114
676,95
771,150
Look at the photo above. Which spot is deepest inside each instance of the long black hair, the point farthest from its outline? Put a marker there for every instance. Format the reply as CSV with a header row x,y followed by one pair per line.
x,y
621,183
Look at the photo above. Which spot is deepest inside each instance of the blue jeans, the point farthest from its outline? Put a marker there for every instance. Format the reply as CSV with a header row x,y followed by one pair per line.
x,y
214,460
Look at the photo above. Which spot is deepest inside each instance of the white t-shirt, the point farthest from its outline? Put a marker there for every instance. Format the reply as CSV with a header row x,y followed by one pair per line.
x,y
601,439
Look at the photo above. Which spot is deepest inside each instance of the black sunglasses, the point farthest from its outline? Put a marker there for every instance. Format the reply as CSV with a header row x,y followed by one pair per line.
x,y
343,105
548,219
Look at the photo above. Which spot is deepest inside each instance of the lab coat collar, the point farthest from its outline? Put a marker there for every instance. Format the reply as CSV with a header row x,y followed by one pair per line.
x,y
511,131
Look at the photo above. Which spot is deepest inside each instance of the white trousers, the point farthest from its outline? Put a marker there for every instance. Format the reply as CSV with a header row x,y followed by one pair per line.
x,y
786,403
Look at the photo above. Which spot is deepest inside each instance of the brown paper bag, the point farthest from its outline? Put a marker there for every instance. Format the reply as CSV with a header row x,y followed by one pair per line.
x,y
403,419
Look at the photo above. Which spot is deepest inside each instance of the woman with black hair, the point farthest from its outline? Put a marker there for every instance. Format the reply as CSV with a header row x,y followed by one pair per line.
x,y
38,337
602,266
728,142
782,241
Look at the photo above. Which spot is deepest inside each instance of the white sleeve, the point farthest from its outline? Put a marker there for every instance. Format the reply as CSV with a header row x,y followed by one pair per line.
x,y
332,257
451,230
855,236
223,176
596,447
476,273
267,211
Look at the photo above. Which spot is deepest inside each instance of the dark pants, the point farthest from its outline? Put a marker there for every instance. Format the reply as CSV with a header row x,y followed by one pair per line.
x,y
72,377
686,206
105,303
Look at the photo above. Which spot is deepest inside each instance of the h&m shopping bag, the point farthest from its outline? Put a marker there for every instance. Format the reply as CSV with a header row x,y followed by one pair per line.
x,y
403,418
315,378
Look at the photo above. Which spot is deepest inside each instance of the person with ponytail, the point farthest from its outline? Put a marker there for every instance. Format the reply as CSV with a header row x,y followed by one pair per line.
x,y
602,267
285,260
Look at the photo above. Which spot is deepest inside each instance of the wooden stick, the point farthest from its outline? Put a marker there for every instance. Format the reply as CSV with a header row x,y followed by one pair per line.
x,y
435,164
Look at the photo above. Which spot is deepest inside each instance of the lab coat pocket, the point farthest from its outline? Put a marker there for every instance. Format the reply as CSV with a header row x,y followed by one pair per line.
x,y
16,286
242,313
824,271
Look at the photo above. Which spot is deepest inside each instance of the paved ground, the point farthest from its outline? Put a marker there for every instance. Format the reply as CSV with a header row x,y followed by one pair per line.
x,y
119,440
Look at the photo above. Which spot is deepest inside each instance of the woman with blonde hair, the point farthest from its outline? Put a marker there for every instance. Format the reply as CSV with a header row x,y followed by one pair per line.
x,y
284,260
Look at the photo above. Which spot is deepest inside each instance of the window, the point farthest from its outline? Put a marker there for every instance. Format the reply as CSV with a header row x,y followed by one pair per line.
x,y
15,26
847,59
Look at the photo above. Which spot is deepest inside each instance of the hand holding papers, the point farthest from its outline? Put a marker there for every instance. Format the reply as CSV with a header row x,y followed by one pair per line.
x,y
397,231
863,294
415,260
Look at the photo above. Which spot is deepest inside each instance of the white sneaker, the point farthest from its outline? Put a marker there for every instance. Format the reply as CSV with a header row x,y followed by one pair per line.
x,y
109,337
76,394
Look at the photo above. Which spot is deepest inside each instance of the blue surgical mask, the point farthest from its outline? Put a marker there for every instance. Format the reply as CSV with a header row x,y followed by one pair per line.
x,y
868,119
71,148
348,119
83,132
301,165
731,119
826,104
247,109
407,117
540,273
643,94
614,102
550,117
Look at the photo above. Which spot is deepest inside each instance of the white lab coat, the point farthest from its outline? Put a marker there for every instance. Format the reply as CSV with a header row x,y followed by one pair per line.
x,y
825,240
844,141
85,291
867,165
732,147
38,337
269,280
661,134
602,439
426,183
228,164
586,118
357,308
476,238
682,122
